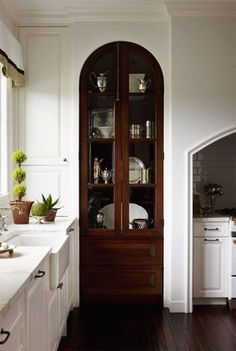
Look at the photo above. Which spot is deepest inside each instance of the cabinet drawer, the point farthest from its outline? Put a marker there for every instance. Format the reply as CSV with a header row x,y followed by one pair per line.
x,y
123,252
124,281
209,228
14,323
14,313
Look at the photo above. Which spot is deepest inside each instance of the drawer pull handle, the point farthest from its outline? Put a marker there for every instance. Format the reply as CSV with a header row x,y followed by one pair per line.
x,y
211,229
60,285
7,333
39,275
211,239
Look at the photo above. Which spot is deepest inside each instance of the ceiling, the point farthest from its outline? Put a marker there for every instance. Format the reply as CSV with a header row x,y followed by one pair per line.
x,y
27,12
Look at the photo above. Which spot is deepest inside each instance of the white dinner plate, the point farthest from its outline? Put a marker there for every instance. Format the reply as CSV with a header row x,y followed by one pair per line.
x,y
135,211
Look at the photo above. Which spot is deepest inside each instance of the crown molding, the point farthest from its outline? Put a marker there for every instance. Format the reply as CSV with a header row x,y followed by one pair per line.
x,y
201,8
91,11
71,11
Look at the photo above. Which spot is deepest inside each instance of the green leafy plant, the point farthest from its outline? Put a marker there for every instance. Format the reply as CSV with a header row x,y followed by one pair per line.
x,y
49,203
42,208
19,174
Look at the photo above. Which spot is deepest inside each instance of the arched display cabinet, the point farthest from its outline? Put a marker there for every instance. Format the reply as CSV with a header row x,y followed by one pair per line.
x,y
121,176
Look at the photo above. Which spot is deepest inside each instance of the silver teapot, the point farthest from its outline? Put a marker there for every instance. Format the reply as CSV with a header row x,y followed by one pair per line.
x,y
100,80
143,84
106,175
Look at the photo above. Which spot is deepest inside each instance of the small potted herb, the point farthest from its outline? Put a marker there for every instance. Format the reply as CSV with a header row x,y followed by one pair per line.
x,y
46,209
20,208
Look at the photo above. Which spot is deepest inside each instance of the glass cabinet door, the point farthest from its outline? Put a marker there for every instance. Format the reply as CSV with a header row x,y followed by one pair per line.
x,y
142,147
121,143
98,151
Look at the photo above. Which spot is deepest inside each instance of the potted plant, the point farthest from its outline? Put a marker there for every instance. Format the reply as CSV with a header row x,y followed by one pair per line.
x,y
46,208
20,208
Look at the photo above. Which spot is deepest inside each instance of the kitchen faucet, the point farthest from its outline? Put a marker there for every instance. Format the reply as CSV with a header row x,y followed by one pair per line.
x,y
3,219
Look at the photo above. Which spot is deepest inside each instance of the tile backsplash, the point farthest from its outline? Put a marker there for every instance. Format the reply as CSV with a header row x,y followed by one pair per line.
x,y
217,164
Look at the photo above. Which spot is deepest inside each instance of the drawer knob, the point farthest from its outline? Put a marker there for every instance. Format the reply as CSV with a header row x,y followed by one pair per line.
x,y
4,332
39,275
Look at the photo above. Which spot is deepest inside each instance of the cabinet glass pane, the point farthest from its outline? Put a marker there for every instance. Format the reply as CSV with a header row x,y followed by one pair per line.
x,y
141,116
101,77
100,208
101,117
141,163
141,208
101,163
141,79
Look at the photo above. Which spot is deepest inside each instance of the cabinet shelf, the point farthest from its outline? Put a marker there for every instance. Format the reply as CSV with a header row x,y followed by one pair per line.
x,y
101,140
98,93
142,140
100,185
136,96
146,185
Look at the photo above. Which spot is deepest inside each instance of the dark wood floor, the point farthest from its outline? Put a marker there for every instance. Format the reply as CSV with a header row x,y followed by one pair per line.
x,y
126,328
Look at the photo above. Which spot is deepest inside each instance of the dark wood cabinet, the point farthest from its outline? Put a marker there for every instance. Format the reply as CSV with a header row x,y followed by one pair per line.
x,y
121,176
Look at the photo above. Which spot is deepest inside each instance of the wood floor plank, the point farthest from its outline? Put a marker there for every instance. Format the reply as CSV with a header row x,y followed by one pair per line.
x,y
147,328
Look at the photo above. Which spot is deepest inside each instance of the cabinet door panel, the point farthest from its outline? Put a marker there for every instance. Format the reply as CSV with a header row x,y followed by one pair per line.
x,y
42,103
48,180
211,267
124,252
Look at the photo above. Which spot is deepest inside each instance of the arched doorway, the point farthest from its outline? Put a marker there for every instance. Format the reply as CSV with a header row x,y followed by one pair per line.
x,y
191,155
121,182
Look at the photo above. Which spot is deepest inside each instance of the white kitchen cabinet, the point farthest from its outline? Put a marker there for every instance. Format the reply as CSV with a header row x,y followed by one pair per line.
x,y
36,308
45,112
63,304
73,269
211,257
58,310
53,320
12,327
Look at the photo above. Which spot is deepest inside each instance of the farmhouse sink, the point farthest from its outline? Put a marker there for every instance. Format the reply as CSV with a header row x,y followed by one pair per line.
x,y
59,256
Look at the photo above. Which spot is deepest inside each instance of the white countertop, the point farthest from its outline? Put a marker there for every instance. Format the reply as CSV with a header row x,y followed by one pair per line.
x,y
16,270
212,218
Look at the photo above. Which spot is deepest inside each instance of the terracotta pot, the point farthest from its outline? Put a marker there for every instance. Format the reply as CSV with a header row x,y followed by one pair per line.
x,y
21,211
50,217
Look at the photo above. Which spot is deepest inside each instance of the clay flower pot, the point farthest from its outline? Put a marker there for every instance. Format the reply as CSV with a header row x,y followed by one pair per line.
x,y
50,217
21,211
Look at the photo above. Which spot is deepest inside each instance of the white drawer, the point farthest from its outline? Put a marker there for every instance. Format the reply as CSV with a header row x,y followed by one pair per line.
x,y
211,228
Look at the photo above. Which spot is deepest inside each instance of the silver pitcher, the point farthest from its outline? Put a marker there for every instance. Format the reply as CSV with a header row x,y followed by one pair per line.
x,y
100,81
143,84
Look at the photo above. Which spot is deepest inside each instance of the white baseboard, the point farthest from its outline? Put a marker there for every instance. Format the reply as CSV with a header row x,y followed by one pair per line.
x,y
209,301
177,306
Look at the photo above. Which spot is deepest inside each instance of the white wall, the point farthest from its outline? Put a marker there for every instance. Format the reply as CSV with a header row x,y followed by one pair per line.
x,y
203,105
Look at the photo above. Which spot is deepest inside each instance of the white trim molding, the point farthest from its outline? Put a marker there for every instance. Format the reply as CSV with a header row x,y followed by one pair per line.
x,y
67,12
201,8
177,306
